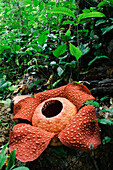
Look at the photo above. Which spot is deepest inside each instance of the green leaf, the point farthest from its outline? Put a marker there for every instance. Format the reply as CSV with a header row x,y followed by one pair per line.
x,y
35,47
11,160
16,47
62,10
102,21
105,121
27,2
4,84
84,48
72,64
96,46
97,57
42,39
103,98
93,103
56,82
3,157
21,168
3,47
42,55
8,102
90,15
13,87
106,3
75,52
68,22
86,10
106,29
36,3
60,50
107,110
17,61
68,32
106,140
60,71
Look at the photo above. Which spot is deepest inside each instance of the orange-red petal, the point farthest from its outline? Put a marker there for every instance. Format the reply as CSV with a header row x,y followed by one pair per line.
x,y
16,99
54,114
77,94
24,109
58,92
82,132
28,141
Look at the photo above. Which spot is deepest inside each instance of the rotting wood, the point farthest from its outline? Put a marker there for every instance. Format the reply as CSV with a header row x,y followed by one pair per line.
x,y
100,87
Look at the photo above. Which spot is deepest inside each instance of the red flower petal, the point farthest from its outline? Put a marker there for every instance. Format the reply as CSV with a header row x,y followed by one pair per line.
x,y
25,108
82,132
54,114
58,92
18,98
77,94
28,141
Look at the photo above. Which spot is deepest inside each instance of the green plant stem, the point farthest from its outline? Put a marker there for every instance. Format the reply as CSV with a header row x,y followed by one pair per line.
x,y
77,37
78,70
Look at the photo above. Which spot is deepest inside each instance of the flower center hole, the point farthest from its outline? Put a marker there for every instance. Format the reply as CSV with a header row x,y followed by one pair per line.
x,y
52,108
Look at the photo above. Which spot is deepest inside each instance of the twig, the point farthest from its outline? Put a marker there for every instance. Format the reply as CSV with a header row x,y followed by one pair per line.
x,y
80,154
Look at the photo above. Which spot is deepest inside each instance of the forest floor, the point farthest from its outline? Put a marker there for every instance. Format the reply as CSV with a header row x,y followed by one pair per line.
x,y
99,81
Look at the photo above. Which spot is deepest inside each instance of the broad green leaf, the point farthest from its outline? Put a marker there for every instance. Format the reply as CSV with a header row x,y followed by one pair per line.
x,y
3,157
42,39
90,15
105,121
60,50
11,160
21,168
97,57
106,29
62,10
36,3
75,52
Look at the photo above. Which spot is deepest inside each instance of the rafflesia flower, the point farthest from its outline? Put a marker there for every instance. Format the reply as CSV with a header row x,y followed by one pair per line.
x,y
56,118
